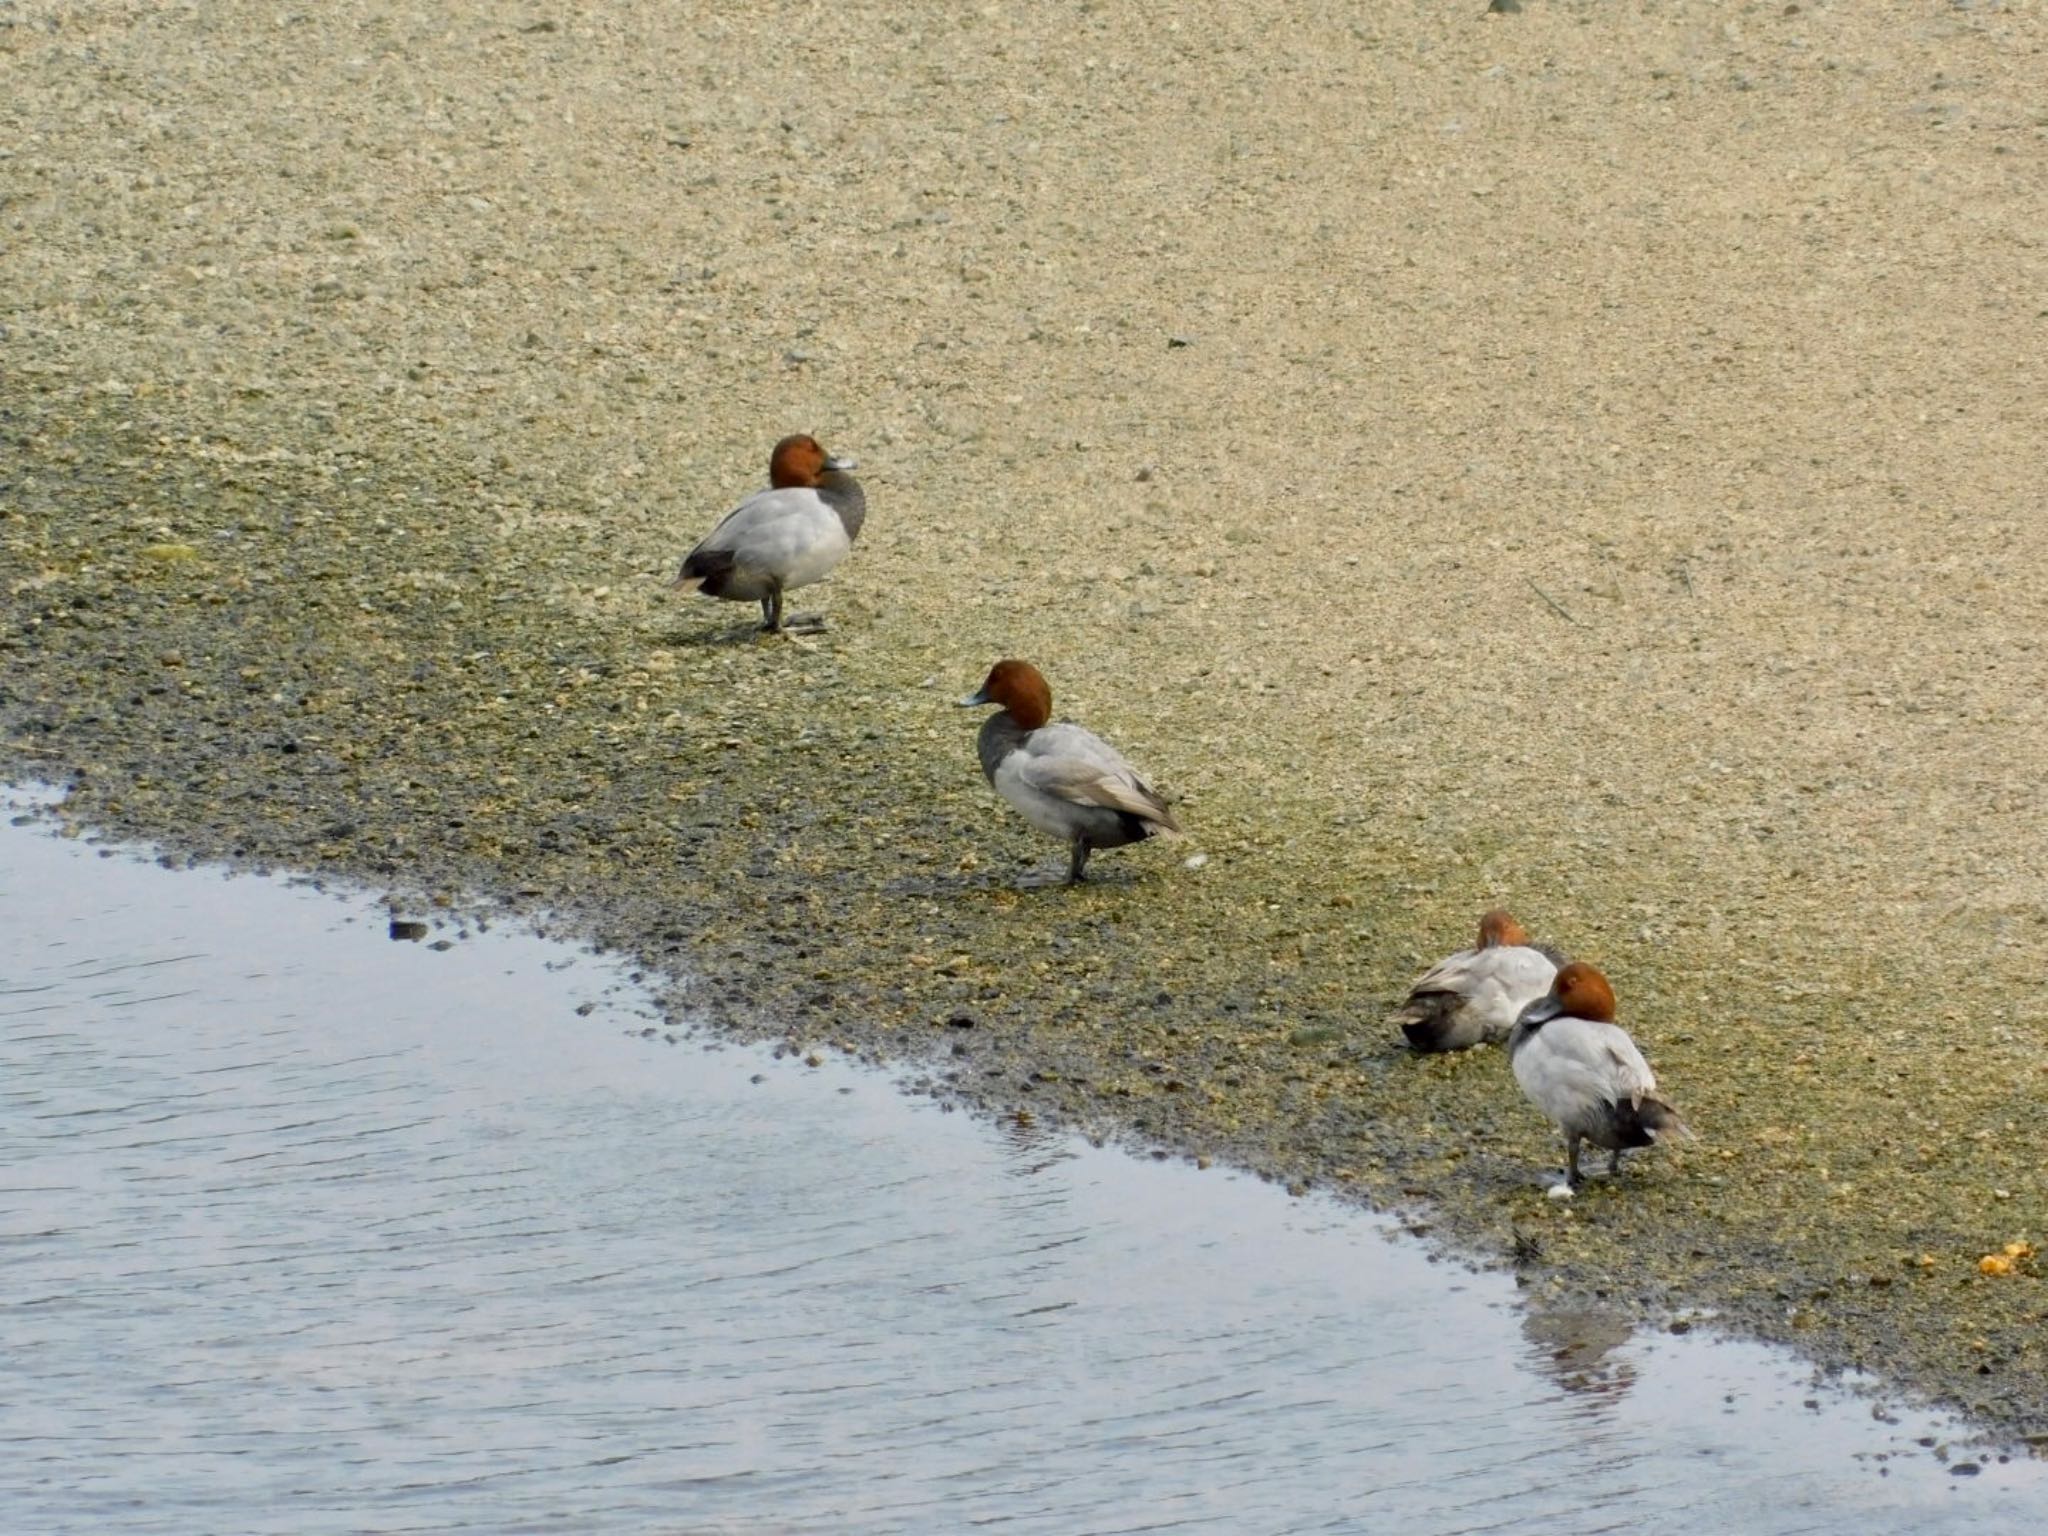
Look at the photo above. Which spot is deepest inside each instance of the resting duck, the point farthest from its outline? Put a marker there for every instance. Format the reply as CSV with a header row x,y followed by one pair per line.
x,y
1068,782
787,536
1472,997
1580,1068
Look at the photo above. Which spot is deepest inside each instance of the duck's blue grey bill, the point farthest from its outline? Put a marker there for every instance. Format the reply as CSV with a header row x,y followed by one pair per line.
x,y
842,461
979,696
1541,1011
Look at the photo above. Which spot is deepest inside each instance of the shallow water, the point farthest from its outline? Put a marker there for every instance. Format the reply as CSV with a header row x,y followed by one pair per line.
x,y
308,1231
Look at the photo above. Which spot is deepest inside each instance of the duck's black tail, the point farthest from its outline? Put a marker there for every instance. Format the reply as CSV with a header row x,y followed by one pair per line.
x,y
706,570
1427,1019
1660,1122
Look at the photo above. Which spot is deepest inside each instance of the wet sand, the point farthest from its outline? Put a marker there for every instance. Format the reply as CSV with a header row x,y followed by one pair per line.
x,y
1583,461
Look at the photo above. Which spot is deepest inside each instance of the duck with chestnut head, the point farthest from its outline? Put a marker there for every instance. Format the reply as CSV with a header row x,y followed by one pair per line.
x,y
1582,1070
1068,782
1472,997
788,536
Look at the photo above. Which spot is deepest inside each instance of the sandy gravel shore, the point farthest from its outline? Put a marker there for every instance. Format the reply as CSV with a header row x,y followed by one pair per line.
x,y
1590,459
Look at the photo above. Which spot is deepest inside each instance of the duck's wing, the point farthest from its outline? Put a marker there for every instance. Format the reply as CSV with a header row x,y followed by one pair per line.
x,y
1606,1054
765,515
1073,764
1453,973
789,532
1521,972
1502,980
1511,970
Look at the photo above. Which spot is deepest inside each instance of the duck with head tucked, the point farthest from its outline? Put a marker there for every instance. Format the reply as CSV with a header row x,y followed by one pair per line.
x,y
1068,782
1582,1070
788,536
1472,997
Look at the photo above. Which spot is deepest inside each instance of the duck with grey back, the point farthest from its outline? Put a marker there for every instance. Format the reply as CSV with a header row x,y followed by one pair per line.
x,y
1066,781
1582,1070
788,536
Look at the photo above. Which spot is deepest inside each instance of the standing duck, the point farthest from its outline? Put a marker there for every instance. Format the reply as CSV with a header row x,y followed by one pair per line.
x,y
787,536
1473,996
1068,782
1580,1068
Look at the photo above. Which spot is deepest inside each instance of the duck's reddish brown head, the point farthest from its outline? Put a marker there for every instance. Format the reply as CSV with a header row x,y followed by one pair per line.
x,y
1583,993
1578,992
1499,927
1022,691
797,461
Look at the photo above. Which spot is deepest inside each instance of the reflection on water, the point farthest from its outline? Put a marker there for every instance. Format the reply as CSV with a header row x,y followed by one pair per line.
x,y
1580,1349
307,1231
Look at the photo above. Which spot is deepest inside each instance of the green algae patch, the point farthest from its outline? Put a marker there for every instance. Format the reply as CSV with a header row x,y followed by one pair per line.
x,y
795,840
169,554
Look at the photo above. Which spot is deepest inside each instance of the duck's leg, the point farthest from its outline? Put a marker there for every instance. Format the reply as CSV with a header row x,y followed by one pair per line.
x,y
1078,861
771,609
1572,1176
1614,1164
